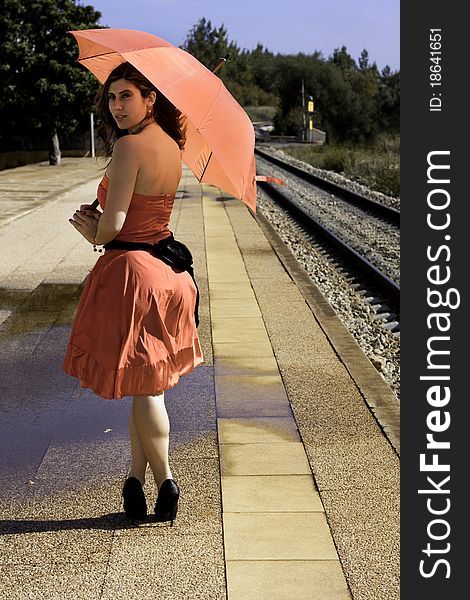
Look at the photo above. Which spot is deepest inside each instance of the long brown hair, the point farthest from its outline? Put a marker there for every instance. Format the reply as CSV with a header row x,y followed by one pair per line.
x,y
170,119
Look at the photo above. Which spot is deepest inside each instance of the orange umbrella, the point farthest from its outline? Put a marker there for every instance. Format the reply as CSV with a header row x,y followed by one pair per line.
x,y
220,138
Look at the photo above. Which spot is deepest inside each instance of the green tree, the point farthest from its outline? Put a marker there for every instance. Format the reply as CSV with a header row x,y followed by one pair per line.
x,y
343,60
355,117
345,96
353,102
364,61
389,100
208,44
43,89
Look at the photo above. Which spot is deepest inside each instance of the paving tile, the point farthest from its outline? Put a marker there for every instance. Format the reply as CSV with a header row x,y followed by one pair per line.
x,y
264,430
366,523
251,396
218,222
218,231
221,276
220,334
218,225
165,566
221,290
235,310
286,580
224,256
69,581
264,408
219,236
230,302
233,388
355,463
357,514
278,458
327,402
246,365
266,493
103,423
84,460
215,247
191,404
71,504
237,323
37,542
15,494
248,350
187,444
191,418
370,585
271,270
277,536
21,453
221,257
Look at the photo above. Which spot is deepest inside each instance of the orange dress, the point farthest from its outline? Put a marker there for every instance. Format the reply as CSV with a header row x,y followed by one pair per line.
x,y
134,331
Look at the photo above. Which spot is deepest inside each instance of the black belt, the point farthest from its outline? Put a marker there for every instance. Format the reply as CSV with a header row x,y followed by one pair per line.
x,y
170,251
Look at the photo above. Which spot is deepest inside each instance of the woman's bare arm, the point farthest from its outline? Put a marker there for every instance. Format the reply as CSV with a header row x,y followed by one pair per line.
x,y
122,171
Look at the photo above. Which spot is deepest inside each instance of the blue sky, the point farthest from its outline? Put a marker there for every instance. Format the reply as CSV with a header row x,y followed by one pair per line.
x,y
287,26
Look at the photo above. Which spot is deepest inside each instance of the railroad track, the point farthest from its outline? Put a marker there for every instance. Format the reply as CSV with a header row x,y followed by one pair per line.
x,y
377,288
390,214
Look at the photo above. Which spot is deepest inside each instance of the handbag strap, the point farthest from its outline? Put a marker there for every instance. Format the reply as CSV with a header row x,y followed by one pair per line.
x,y
123,245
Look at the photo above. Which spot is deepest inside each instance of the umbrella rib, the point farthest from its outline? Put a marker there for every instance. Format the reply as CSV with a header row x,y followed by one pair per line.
x,y
96,55
208,160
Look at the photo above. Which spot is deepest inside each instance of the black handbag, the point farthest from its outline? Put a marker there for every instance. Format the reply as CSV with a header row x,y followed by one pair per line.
x,y
174,253
170,251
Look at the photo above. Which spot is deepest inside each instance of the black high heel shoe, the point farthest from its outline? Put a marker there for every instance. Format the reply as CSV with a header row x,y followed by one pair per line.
x,y
166,506
135,505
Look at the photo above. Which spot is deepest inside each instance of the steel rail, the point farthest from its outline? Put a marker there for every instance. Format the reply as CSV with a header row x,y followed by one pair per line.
x,y
391,214
389,288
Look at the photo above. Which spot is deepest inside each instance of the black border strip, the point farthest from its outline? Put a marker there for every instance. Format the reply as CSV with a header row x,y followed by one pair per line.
x,y
434,273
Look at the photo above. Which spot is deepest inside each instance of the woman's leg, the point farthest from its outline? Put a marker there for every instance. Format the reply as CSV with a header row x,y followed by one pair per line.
x,y
153,426
139,459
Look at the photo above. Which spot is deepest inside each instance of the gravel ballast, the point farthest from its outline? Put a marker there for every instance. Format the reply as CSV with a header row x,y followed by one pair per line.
x,y
380,345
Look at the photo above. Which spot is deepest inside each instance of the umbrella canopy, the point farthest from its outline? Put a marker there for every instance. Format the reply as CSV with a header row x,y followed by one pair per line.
x,y
220,137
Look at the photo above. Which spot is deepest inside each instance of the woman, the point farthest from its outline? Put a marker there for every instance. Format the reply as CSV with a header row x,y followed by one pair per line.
x,y
134,332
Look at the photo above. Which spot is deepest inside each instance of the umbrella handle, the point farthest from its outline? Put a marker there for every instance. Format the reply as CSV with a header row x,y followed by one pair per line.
x,y
94,204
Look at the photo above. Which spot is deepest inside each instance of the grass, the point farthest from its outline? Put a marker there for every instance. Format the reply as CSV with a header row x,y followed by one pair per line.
x,y
376,166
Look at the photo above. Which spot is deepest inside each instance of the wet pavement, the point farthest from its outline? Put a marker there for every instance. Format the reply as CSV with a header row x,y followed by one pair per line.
x,y
289,488
25,188
65,452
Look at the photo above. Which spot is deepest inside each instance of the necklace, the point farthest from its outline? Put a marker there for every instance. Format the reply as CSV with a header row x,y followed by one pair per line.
x,y
141,126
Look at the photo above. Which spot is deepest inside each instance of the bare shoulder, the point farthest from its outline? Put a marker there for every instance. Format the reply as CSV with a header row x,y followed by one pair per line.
x,y
126,145
126,155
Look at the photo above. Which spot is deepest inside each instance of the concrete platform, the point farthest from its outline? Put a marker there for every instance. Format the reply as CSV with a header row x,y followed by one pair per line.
x,y
289,479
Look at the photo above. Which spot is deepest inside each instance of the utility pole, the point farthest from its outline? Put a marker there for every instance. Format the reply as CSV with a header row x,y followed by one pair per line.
x,y
304,125
92,135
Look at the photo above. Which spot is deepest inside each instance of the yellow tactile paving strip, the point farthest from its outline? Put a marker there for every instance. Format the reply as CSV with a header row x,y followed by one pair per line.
x,y
276,538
